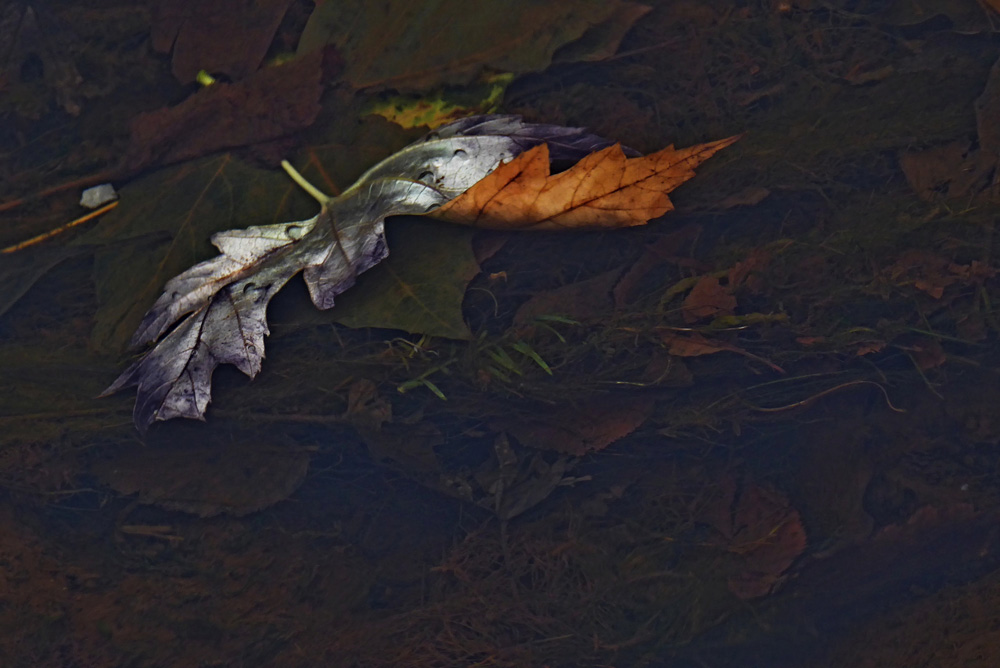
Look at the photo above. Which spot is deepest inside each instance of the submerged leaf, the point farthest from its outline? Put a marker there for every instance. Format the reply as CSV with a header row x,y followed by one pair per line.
x,y
707,299
585,300
227,36
235,477
577,430
22,270
272,103
409,291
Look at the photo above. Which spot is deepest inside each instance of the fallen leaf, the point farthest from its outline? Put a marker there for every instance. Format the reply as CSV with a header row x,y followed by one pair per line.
x,y
228,37
365,408
987,107
236,477
21,270
962,16
963,168
707,299
577,430
601,41
927,354
762,529
975,273
691,345
411,46
768,533
810,340
410,448
605,189
933,274
409,291
221,304
869,347
925,520
272,103
935,291
941,172
661,251
30,30
215,312
747,272
445,105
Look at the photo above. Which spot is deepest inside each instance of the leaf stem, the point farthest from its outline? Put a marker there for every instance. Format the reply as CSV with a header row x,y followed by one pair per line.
x,y
316,193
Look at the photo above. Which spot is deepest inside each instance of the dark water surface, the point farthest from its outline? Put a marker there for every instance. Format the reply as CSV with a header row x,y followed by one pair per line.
x,y
761,431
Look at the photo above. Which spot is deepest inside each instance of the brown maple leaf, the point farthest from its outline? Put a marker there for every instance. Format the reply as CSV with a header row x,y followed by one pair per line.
x,y
708,299
605,189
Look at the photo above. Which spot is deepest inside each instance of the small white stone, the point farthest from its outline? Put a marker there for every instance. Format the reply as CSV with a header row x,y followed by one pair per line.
x,y
98,196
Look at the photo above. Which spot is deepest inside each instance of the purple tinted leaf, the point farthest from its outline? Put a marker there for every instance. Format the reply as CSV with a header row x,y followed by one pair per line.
x,y
189,291
175,378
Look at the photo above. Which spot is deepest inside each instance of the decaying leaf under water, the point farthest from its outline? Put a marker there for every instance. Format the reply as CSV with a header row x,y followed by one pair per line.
x,y
214,313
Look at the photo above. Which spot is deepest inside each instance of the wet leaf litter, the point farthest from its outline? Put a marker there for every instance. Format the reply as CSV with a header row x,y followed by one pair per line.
x,y
851,271
485,171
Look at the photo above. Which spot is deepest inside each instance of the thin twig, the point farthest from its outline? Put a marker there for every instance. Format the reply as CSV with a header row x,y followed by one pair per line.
x,y
59,230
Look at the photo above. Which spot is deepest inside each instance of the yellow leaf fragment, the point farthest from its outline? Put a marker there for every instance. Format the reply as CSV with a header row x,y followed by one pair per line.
x,y
605,189
443,106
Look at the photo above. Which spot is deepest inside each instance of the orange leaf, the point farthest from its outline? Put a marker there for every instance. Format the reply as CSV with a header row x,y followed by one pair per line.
x,y
604,190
